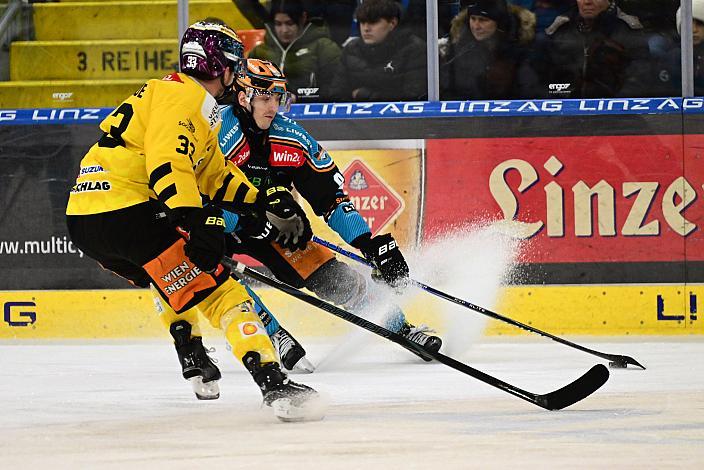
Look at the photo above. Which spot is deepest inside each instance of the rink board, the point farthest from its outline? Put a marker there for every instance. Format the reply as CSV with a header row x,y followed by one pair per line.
x,y
561,310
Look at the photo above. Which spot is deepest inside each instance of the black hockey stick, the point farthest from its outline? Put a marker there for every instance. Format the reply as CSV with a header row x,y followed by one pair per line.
x,y
617,360
581,388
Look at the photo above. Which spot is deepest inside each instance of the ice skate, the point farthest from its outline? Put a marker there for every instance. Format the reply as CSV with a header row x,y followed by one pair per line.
x,y
290,401
420,336
291,353
198,368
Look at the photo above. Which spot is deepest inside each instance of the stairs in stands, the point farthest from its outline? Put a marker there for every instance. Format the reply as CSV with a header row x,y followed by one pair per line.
x,y
94,54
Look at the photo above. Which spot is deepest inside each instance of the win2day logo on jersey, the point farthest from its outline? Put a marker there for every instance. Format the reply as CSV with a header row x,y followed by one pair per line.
x,y
374,198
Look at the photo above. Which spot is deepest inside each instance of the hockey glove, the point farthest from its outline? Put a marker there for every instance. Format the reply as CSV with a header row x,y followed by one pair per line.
x,y
253,225
383,253
206,242
287,217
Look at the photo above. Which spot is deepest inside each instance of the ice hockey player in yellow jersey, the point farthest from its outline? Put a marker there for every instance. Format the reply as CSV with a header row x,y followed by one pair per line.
x,y
137,208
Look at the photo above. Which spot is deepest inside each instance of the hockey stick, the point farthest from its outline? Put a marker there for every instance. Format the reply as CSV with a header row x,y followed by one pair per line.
x,y
617,360
581,388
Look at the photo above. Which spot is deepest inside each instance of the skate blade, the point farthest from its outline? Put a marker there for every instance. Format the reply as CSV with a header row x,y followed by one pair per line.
x,y
312,409
303,366
205,391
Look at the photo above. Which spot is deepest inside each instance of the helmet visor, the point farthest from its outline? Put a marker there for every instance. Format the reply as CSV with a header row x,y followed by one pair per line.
x,y
283,97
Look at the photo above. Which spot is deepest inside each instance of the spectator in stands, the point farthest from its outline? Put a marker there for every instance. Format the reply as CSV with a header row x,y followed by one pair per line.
x,y
593,51
302,48
487,45
339,16
547,10
386,63
698,40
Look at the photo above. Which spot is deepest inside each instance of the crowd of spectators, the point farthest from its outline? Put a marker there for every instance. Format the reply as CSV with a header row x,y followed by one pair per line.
x,y
375,50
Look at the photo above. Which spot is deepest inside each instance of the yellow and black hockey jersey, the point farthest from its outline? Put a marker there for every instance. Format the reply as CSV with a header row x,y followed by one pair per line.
x,y
161,142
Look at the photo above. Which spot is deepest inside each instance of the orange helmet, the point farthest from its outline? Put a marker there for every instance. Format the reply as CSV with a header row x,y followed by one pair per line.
x,y
261,77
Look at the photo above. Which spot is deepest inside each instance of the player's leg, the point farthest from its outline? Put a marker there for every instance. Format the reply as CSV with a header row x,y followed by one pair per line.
x,y
290,351
230,308
336,282
317,269
157,254
197,366
97,235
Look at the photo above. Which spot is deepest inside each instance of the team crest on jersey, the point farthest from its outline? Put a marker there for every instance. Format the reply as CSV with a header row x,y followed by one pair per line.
x,y
172,77
357,181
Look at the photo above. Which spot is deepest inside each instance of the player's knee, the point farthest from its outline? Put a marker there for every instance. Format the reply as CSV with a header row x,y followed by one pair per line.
x,y
338,283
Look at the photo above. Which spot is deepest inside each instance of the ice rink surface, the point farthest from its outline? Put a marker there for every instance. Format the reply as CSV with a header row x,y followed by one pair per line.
x,y
125,405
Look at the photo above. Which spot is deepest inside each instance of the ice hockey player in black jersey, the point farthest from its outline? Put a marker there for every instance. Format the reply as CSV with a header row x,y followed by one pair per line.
x,y
276,154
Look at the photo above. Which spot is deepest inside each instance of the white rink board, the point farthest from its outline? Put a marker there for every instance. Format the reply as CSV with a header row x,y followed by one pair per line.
x,y
124,405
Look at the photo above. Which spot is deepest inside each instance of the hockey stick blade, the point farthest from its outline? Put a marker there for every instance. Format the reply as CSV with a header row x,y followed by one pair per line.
x,y
576,391
566,396
616,359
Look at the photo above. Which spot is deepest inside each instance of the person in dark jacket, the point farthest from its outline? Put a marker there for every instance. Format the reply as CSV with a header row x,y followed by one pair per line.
x,y
593,51
302,48
486,47
386,63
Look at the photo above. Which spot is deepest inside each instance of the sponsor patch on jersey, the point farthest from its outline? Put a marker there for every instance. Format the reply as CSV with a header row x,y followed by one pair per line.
x,y
240,154
90,186
284,155
86,170
210,111
250,328
172,77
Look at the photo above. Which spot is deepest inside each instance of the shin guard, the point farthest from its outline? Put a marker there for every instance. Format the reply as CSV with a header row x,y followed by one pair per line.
x,y
245,333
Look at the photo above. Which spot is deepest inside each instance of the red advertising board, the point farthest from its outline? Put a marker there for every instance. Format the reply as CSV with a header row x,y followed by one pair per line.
x,y
578,199
373,197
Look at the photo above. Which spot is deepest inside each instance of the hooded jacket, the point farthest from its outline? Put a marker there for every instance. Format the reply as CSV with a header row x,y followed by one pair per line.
x,y
309,62
609,60
471,69
392,70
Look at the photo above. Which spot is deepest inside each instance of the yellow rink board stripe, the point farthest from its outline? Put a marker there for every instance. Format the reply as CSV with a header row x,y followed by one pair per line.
x,y
603,310
127,19
561,310
67,93
80,60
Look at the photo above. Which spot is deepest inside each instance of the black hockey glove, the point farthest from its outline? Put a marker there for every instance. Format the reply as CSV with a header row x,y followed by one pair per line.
x,y
382,251
206,242
255,225
287,217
